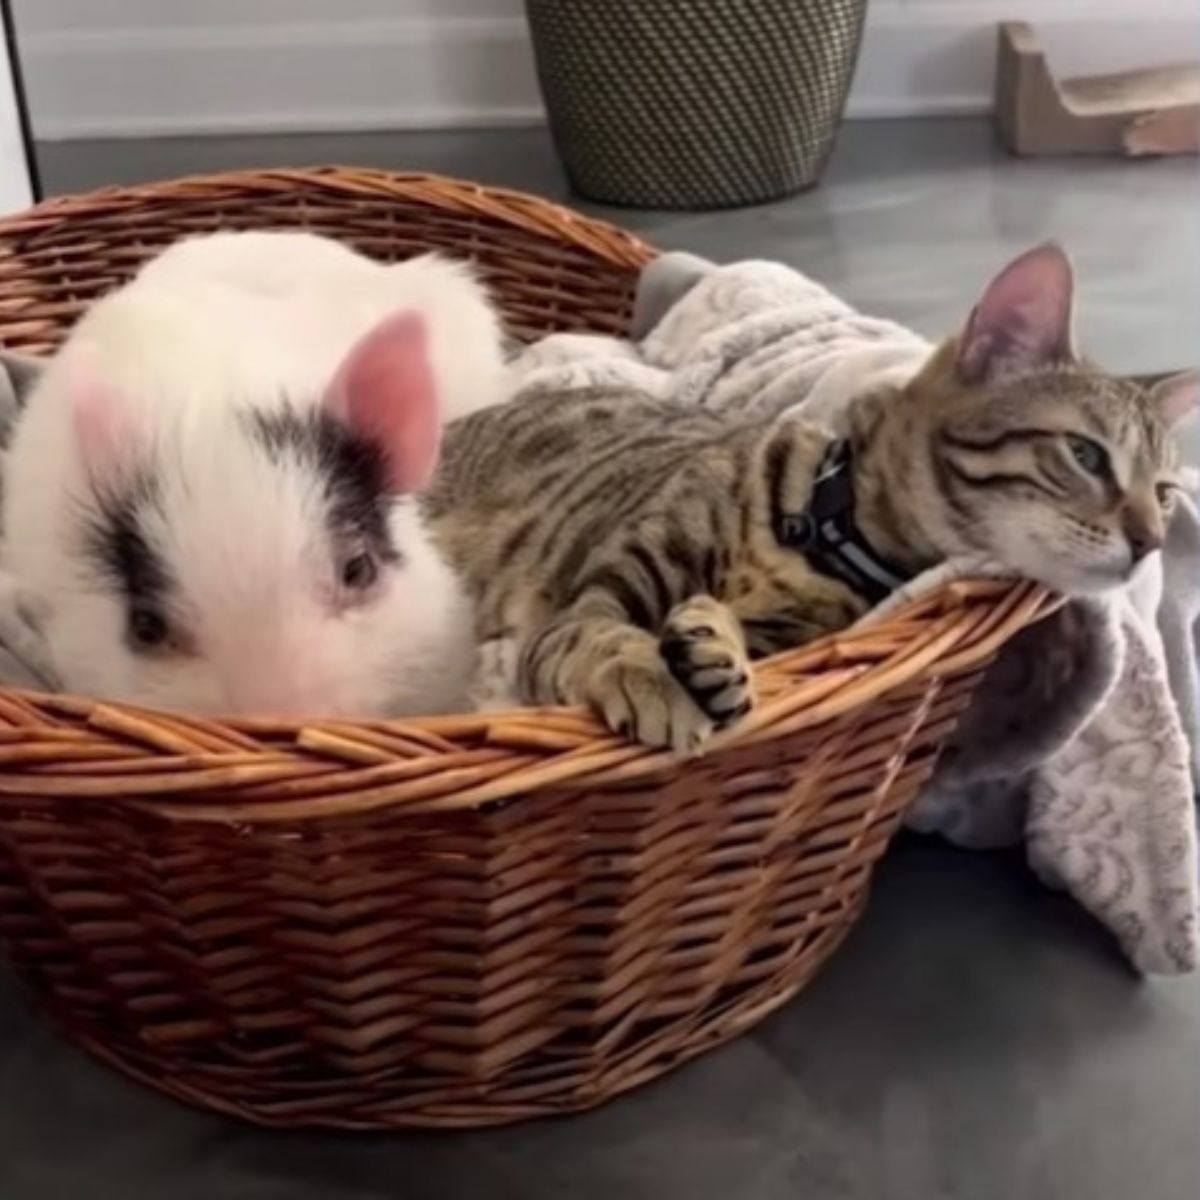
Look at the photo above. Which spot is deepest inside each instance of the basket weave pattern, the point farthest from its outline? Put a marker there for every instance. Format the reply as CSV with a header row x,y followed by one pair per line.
x,y
694,103
454,921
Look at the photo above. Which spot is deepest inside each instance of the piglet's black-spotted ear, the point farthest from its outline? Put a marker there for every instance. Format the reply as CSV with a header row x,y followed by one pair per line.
x,y
1177,397
1024,319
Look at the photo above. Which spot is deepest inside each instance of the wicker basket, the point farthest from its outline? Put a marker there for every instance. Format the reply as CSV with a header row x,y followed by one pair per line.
x,y
694,103
457,921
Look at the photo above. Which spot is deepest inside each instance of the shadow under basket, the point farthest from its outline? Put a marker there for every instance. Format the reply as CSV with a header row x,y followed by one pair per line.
x,y
457,921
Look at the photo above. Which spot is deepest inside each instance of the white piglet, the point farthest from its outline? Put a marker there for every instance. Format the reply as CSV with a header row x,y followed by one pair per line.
x,y
210,494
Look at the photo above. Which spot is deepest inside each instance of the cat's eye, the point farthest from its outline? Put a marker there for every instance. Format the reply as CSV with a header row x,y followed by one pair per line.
x,y
1166,493
148,629
359,572
1090,455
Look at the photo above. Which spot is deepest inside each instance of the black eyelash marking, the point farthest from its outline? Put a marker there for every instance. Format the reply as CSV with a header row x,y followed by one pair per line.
x,y
117,547
116,544
352,468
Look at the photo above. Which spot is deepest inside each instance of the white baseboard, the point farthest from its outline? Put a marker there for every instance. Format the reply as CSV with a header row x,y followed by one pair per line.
x,y
920,57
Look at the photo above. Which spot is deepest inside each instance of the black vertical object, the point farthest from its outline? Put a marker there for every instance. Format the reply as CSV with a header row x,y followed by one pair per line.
x,y
13,49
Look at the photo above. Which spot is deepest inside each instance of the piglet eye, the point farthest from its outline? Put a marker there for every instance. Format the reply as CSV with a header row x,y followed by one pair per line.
x,y
1166,494
1090,455
359,572
148,630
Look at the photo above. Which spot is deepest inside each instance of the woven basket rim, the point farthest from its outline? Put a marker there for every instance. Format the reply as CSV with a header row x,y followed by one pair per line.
x,y
952,631
535,212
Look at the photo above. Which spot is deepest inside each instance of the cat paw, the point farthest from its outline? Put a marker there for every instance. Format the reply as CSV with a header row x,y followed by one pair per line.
x,y
639,698
703,648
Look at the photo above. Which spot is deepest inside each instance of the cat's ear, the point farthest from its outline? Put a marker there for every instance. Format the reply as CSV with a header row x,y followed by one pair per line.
x,y
1177,397
1024,319
385,392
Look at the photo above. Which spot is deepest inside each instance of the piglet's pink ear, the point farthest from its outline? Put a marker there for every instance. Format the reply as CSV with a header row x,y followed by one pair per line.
x,y
102,426
384,391
1024,319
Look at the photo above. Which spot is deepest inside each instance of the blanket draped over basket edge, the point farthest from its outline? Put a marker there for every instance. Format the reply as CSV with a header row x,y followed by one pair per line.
x,y
1097,783
1099,779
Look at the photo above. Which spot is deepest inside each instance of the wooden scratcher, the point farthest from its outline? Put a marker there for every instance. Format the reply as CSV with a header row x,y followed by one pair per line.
x,y
1130,113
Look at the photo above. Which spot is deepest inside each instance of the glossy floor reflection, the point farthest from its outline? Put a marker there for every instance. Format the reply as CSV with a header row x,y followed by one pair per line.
x,y
978,1038
912,218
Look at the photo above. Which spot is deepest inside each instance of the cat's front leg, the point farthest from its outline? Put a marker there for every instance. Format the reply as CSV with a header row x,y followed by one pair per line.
x,y
591,655
638,696
494,686
672,691
703,645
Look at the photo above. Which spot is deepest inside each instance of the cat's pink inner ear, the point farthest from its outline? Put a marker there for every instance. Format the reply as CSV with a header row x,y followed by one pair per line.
x,y
385,392
1178,397
102,425
1024,320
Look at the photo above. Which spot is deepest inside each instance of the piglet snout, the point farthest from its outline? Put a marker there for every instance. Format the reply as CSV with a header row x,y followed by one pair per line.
x,y
288,681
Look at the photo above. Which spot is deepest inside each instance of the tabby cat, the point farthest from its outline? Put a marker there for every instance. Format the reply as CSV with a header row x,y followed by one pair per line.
x,y
636,555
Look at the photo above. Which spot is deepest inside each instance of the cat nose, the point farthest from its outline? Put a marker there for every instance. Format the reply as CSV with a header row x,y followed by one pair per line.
x,y
1142,546
1144,537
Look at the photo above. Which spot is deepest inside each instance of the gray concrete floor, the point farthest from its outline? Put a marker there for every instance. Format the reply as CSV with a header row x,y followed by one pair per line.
x,y
978,1038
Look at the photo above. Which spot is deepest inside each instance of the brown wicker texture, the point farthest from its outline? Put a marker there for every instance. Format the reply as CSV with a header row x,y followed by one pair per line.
x,y
551,268
453,921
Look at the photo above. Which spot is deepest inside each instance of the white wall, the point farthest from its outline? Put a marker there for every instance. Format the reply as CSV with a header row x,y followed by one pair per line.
x,y
136,67
15,189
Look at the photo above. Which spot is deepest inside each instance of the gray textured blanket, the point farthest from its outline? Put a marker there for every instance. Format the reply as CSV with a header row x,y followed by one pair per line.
x,y
23,659
1078,741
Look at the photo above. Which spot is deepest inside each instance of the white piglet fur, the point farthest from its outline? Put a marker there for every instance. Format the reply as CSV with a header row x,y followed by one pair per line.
x,y
188,496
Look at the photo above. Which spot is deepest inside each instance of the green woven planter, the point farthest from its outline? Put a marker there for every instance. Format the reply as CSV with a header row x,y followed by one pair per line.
x,y
694,103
